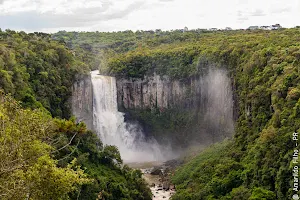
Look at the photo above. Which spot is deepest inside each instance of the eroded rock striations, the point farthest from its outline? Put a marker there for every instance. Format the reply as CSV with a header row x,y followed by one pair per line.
x,y
198,108
158,92
82,100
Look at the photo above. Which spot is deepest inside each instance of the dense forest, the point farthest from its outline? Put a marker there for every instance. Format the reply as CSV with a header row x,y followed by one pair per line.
x,y
95,48
52,158
38,70
264,66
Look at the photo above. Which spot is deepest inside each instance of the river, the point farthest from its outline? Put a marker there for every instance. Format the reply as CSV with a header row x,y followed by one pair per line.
x,y
157,175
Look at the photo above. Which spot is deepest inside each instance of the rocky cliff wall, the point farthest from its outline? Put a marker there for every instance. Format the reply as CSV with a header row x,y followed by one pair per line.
x,y
197,109
82,100
158,92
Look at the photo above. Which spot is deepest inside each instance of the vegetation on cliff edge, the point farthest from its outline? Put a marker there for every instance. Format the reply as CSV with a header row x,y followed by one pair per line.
x,y
256,164
264,67
43,157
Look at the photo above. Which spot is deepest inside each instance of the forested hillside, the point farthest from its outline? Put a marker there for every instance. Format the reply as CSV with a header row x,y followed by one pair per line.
x,y
95,48
37,71
264,67
52,158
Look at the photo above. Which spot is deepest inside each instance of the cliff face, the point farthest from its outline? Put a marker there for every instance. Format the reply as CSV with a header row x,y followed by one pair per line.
x,y
198,109
82,100
158,92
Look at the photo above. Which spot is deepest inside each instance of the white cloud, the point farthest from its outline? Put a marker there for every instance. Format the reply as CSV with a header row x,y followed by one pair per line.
x,y
113,15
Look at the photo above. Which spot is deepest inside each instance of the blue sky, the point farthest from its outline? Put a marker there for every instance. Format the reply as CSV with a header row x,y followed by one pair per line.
x,y
115,15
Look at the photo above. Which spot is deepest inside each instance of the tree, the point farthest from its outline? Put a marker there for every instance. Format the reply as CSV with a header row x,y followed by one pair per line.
x,y
27,169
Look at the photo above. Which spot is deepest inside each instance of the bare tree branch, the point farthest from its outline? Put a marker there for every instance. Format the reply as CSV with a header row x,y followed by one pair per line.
x,y
65,145
70,153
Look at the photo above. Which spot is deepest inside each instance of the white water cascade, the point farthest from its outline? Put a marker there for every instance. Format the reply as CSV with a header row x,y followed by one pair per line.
x,y
110,127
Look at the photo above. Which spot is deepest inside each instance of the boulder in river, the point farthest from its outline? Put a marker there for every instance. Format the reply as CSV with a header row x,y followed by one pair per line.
x,y
156,171
166,185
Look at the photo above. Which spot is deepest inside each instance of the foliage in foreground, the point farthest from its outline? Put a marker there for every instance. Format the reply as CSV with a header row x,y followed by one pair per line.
x,y
256,165
45,158
103,164
27,168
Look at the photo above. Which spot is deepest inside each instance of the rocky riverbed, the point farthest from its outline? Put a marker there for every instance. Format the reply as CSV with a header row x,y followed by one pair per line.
x,y
161,189
157,175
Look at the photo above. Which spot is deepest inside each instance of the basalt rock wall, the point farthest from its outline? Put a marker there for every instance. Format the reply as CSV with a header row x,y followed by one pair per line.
x,y
82,100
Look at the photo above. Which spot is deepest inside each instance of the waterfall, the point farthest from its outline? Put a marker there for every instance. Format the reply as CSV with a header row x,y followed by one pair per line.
x,y
110,127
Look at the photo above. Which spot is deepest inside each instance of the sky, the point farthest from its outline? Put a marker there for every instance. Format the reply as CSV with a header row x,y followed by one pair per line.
x,y
117,15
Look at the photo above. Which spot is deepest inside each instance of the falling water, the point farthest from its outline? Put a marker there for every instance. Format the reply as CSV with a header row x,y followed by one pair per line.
x,y
110,127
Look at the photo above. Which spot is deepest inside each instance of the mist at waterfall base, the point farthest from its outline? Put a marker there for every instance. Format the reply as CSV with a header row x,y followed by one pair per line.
x,y
110,127
216,106
214,111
